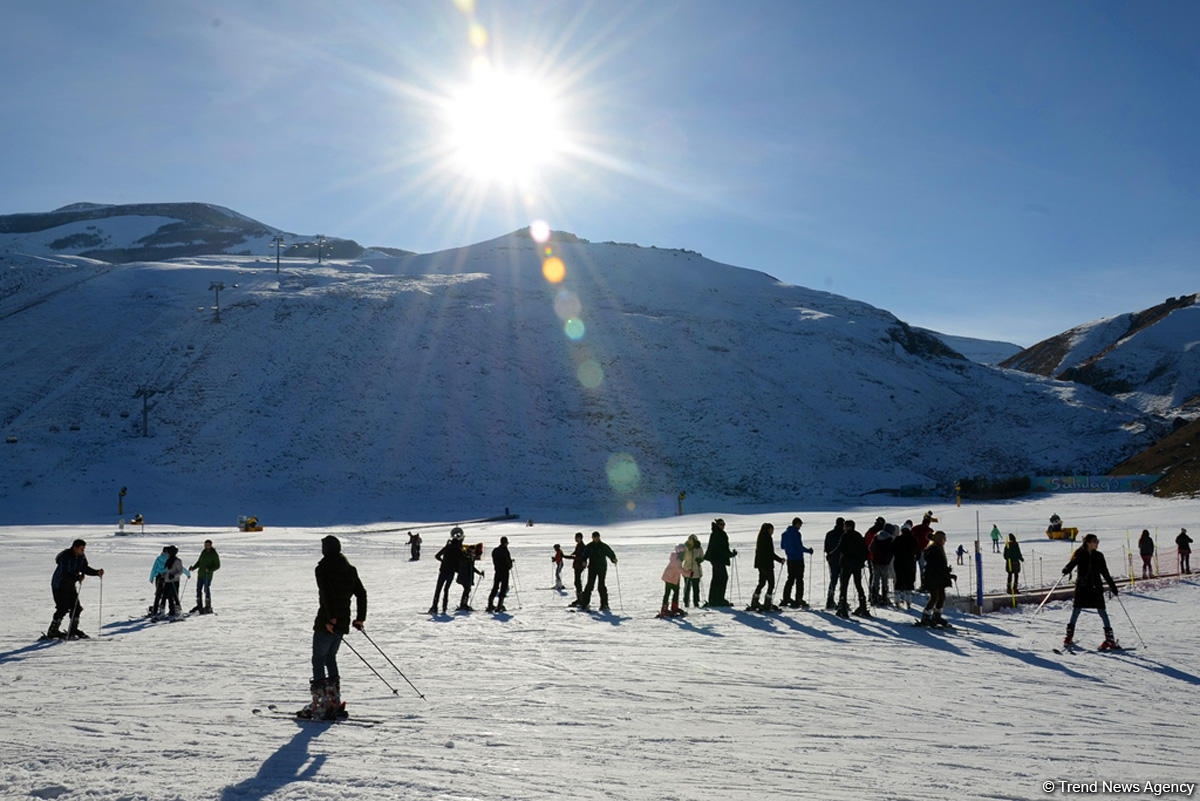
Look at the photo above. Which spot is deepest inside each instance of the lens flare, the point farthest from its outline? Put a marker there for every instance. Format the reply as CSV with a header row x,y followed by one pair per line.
x,y
590,374
553,270
574,329
567,305
539,230
623,473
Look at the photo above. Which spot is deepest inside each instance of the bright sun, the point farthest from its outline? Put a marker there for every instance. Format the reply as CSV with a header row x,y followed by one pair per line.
x,y
503,127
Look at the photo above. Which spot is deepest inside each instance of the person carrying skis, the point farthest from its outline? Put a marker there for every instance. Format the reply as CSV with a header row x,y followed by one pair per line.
x,y
1146,551
502,563
833,557
854,556
337,582
467,573
158,577
1012,562
1089,589
175,569
449,557
793,548
71,565
597,554
557,558
718,555
207,563
579,560
693,555
764,561
671,577
414,547
1184,543
937,578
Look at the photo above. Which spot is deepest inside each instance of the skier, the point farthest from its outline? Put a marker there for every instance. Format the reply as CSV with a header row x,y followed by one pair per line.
x,y
854,556
597,553
1184,543
557,559
995,538
764,561
467,573
1012,562
718,555
793,548
207,563
158,577
1146,551
904,564
71,565
449,557
937,578
414,547
175,568
693,555
882,552
833,557
337,581
960,552
1089,589
671,577
578,563
869,538
922,533
502,563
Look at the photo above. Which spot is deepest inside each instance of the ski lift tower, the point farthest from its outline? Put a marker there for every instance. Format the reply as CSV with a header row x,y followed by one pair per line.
x,y
217,286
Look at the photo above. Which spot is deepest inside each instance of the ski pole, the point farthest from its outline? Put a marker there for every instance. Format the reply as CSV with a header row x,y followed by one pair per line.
x,y
1135,628
620,600
516,588
100,611
183,593
373,670
393,664
1047,598
737,584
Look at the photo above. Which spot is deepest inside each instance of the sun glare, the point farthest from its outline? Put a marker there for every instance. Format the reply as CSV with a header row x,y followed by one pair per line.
x,y
503,127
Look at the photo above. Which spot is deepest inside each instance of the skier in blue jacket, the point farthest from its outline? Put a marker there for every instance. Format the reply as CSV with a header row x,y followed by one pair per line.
x,y
793,548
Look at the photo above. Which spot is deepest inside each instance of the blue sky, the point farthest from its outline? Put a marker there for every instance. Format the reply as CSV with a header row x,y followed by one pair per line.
x,y
1004,170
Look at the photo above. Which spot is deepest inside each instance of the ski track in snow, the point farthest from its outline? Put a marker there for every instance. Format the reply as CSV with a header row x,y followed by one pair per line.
x,y
544,702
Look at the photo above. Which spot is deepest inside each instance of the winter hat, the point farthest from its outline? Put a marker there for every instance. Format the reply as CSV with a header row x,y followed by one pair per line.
x,y
78,543
171,550
456,533
331,546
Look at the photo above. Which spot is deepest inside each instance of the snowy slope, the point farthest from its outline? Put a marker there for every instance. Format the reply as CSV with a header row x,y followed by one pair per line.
x,y
545,703
984,351
456,384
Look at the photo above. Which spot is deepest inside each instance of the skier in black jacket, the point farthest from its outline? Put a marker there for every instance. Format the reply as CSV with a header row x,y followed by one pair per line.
x,y
71,567
853,556
502,563
578,563
337,582
764,561
1184,543
937,578
833,557
449,558
718,554
1089,589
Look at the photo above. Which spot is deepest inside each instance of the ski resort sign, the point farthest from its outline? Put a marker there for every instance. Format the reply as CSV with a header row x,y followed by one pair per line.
x,y
1092,483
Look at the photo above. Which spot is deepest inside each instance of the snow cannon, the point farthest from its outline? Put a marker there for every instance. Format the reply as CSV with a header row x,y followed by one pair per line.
x,y
249,523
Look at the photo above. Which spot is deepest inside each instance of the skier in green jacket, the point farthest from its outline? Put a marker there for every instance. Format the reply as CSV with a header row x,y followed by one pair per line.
x,y
207,563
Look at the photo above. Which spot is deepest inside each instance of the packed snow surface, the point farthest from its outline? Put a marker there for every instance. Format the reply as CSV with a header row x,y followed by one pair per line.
x,y
543,702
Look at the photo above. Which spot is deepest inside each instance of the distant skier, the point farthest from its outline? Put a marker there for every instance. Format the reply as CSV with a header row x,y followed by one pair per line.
x,y
1184,543
960,552
718,554
1089,589
449,557
71,565
1146,551
158,577
995,538
598,557
792,543
207,563
414,547
833,558
764,561
937,578
502,563
671,578
854,556
693,555
337,582
175,569
1012,562
578,563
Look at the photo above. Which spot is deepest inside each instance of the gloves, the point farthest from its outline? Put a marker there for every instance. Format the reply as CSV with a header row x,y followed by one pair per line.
x,y
1066,570
733,553
1114,592
358,624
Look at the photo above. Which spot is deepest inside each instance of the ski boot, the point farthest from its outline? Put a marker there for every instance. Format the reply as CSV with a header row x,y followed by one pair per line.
x,y
490,608
940,621
433,610
800,604
843,611
500,608
925,622
1069,639
676,611
76,633
862,611
768,606
54,632
1110,643
663,612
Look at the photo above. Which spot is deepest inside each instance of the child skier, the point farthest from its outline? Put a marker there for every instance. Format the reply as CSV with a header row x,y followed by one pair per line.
x,y
671,577
693,555
158,577
557,559
467,573
175,569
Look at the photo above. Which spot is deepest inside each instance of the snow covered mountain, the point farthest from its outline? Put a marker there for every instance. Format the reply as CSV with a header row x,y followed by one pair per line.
x,y
984,351
459,383
1151,358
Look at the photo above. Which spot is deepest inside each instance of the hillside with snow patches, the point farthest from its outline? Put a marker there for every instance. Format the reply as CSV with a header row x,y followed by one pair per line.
x,y
460,383
1150,359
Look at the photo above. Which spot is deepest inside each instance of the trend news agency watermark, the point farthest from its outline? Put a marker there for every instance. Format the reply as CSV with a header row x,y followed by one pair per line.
x,y
1156,789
